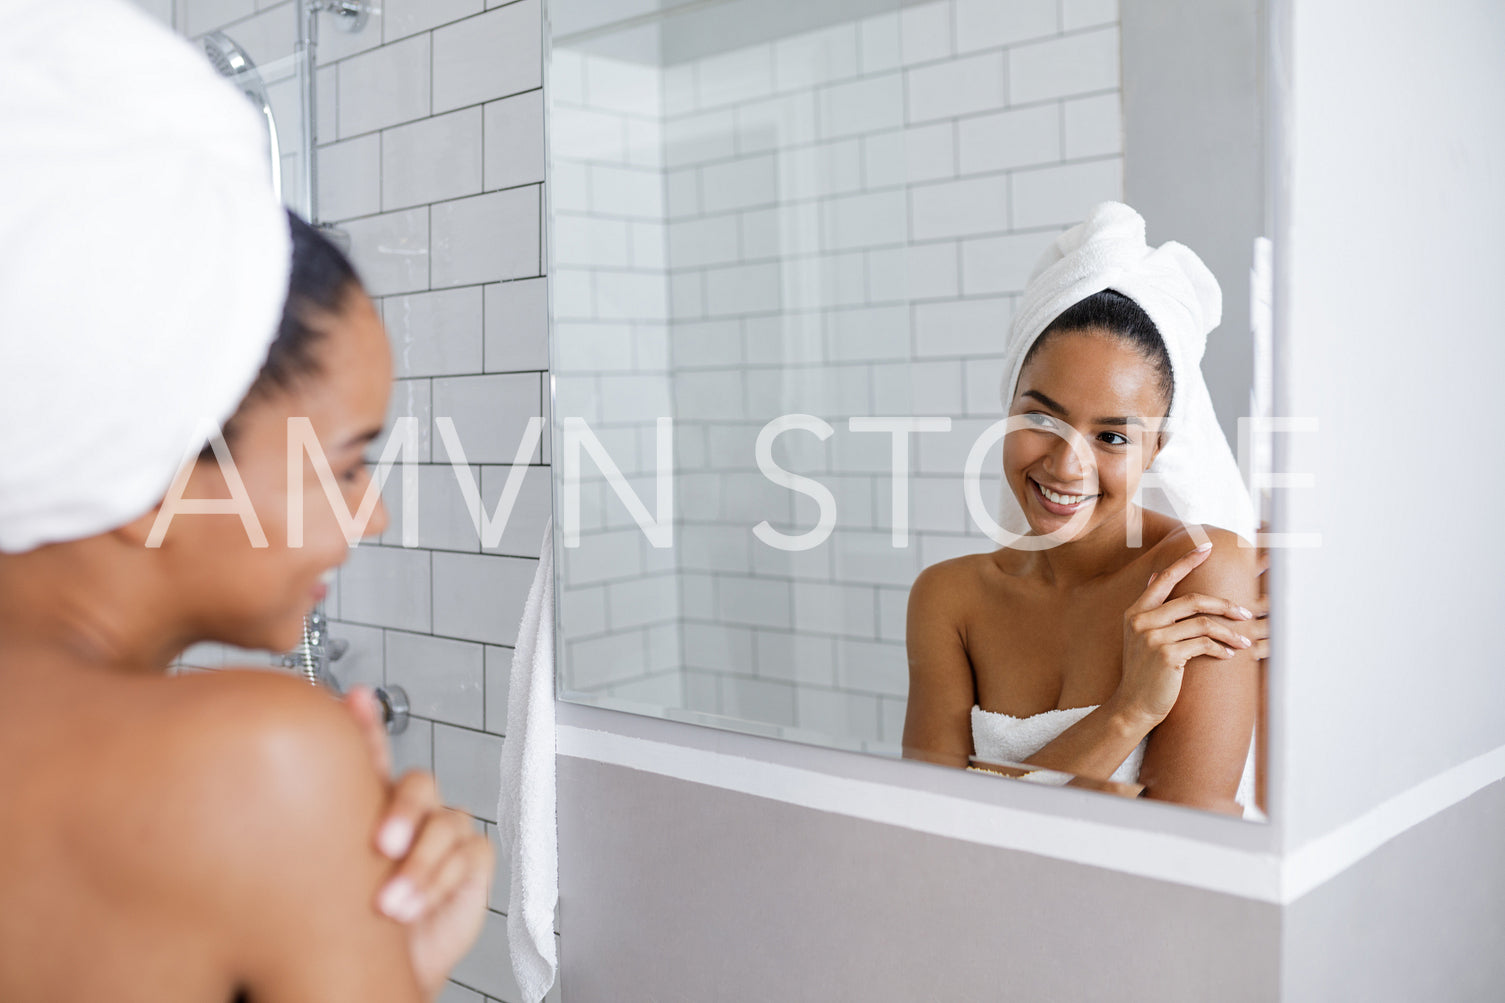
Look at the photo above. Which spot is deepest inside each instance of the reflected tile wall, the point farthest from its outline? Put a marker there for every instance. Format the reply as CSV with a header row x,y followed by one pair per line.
x,y
849,215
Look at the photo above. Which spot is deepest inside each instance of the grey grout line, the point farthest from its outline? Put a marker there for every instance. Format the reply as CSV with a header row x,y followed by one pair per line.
x,y
820,202
455,110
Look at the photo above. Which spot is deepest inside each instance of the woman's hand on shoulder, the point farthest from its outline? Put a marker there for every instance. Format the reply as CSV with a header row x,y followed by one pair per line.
x,y
1197,753
1230,568
443,867
1162,634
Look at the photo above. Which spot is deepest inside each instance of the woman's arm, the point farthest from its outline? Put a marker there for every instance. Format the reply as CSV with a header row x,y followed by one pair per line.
x,y
938,715
1095,746
1171,623
1196,755
443,865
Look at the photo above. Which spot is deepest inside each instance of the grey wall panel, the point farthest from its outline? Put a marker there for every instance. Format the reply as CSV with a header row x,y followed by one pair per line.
x,y
1422,918
680,891
1392,260
1194,157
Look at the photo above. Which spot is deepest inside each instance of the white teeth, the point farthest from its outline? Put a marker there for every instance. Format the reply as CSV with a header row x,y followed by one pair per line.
x,y
1061,499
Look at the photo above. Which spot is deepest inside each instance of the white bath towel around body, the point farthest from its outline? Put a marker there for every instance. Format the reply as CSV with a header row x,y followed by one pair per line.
x,y
1009,740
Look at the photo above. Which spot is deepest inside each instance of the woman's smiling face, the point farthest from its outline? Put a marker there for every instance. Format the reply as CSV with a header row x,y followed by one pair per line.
x,y
1101,388
256,597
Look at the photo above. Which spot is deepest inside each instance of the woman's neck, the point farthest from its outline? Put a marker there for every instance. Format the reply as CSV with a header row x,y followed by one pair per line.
x,y
72,603
1102,550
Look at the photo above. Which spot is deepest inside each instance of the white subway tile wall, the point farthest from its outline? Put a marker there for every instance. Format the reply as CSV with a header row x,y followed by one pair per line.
x,y
844,220
613,233
385,86
350,177
432,158
489,56
201,16
391,250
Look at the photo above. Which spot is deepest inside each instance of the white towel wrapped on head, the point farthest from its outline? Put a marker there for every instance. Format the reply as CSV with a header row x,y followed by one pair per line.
x,y
1196,468
143,263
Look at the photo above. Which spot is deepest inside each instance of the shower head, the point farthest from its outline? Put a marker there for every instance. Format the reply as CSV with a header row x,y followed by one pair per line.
x,y
234,65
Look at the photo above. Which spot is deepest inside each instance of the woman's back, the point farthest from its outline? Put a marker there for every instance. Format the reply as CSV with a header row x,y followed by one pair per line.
x,y
127,799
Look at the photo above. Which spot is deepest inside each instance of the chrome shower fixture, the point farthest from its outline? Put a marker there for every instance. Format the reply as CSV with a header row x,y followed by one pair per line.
x,y
352,15
234,65
312,657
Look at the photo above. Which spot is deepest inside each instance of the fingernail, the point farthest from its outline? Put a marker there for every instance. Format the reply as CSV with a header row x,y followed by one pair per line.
x,y
1244,613
412,907
394,837
396,898
1244,641
1202,548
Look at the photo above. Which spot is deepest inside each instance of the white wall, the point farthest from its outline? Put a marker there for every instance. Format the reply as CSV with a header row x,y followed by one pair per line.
x,y
1194,157
1387,670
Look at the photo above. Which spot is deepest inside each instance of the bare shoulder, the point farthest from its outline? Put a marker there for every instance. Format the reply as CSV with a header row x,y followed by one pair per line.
x,y
210,828
281,829
256,709
950,582
1229,571
236,785
274,747
1229,550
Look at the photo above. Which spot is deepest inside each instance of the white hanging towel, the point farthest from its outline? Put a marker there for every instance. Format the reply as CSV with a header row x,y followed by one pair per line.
x,y
525,810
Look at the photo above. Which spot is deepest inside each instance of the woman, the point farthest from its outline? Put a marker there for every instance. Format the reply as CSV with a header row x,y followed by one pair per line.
x,y
216,836
1080,648
211,838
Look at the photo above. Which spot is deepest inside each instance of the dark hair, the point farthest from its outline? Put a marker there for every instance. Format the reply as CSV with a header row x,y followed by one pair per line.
x,y
319,284
1120,316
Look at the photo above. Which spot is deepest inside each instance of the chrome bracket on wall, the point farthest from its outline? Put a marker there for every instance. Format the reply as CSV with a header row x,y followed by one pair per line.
x,y
394,708
313,657
351,15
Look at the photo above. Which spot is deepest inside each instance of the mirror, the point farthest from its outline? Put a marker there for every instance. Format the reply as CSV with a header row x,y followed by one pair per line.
x,y
775,224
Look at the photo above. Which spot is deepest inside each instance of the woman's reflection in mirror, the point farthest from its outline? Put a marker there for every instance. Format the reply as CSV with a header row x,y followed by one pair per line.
x,y
1102,656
